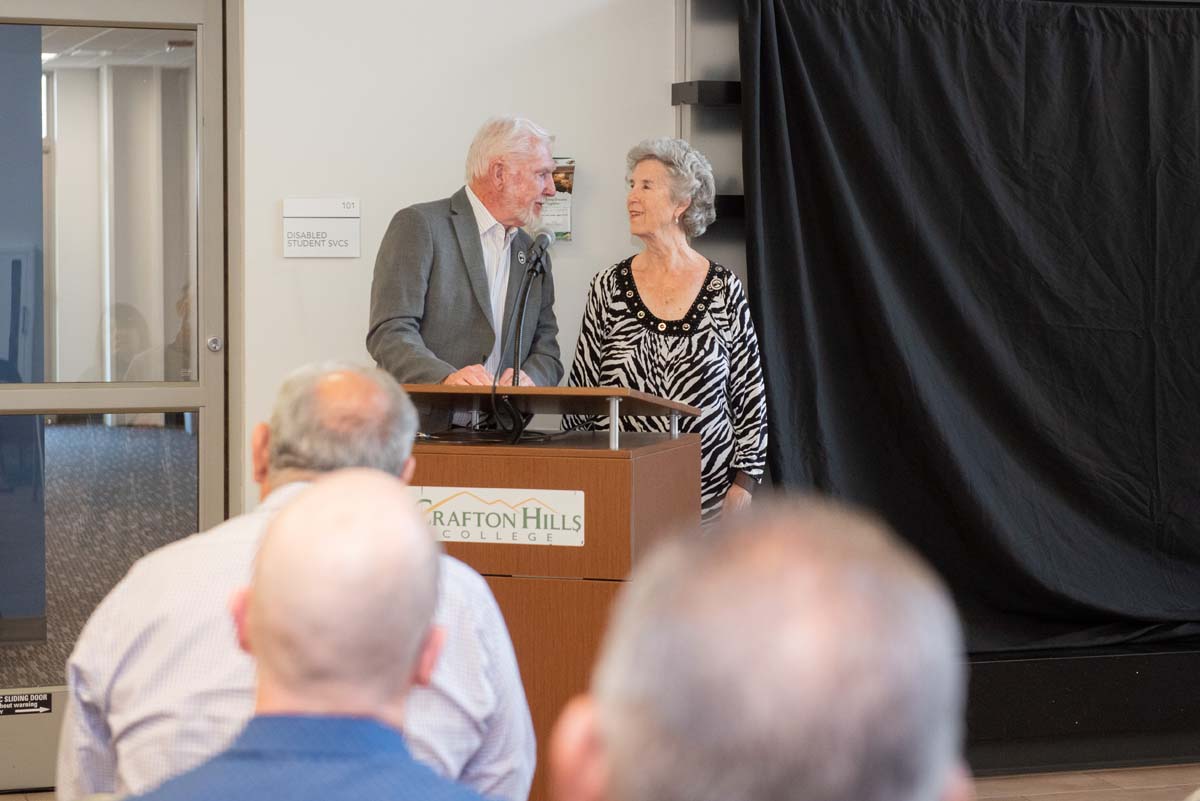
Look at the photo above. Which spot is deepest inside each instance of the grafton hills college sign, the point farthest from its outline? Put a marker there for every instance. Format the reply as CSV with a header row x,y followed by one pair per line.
x,y
503,516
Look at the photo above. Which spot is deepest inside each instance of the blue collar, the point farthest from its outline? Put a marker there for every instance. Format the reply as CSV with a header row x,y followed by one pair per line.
x,y
318,735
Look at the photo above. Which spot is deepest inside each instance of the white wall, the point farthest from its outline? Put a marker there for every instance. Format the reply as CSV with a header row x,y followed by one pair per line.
x,y
379,100
149,150
137,231
78,247
179,199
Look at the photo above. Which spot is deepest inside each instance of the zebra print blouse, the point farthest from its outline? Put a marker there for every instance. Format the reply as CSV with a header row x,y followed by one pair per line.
x,y
708,358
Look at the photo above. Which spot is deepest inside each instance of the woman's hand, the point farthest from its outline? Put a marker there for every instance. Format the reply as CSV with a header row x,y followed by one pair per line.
x,y
736,498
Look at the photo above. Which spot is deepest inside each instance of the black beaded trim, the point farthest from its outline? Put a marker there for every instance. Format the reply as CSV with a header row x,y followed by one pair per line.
x,y
714,282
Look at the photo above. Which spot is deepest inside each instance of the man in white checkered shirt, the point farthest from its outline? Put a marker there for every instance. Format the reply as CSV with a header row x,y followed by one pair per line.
x,y
158,684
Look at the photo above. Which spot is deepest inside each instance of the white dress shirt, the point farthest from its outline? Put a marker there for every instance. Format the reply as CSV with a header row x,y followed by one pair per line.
x,y
497,253
157,683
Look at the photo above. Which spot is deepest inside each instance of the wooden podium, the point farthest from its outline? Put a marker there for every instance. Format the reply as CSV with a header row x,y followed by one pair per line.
x,y
637,487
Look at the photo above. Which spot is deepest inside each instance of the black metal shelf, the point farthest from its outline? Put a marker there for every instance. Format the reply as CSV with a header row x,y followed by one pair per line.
x,y
730,206
706,93
731,215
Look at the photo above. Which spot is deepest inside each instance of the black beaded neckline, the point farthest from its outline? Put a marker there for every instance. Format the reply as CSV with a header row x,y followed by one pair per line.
x,y
714,281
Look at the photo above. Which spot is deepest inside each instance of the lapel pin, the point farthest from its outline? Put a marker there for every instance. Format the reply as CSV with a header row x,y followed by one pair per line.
x,y
520,257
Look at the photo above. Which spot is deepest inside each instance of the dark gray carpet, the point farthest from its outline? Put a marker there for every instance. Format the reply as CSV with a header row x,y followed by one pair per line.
x,y
111,496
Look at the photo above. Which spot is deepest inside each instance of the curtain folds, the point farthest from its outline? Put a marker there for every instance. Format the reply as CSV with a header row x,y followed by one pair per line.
x,y
973,233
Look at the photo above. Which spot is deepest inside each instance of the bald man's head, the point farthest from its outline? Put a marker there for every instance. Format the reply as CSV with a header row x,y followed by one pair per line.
x,y
332,416
343,594
798,652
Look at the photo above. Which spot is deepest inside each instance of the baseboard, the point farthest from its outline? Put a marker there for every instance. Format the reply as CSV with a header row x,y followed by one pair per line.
x,y
1083,708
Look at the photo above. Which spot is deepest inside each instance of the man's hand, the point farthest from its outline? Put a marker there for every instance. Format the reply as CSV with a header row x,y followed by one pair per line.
x,y
735,499
475,375
506,379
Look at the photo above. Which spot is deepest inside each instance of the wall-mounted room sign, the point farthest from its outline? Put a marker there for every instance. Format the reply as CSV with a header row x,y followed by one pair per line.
x,y
503,516
321,228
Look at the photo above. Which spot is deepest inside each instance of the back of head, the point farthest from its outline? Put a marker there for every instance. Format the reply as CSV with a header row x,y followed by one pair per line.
x,y
502,136
343,593
336,415
799,653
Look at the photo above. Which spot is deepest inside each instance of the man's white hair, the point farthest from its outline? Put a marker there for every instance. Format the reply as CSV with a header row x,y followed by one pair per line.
x,y
803,653
503,136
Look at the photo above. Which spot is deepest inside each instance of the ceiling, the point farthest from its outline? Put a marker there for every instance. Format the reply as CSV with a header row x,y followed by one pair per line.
x,y
88,48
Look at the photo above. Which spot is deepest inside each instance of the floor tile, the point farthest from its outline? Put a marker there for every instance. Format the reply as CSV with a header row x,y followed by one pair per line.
x,y
1126,794
1158,776
1031,784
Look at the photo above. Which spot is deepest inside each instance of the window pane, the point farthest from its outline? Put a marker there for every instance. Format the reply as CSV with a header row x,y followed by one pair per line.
x,y
97,233
81,498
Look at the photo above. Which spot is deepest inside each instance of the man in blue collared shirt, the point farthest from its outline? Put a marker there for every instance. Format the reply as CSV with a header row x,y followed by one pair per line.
x,y
157,683
339,620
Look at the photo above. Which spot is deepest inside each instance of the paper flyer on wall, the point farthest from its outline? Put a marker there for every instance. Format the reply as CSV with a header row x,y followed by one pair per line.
x,y
556,211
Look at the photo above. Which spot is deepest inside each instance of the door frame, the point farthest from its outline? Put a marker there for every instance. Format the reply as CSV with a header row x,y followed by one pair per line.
x,y
206,395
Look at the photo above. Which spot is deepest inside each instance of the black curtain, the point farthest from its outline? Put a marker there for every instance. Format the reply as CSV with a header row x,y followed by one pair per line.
x,y
973,233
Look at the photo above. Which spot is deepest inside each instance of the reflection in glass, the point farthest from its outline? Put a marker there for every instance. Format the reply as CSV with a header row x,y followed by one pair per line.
x,y
21,344
22,530
80,501
97,203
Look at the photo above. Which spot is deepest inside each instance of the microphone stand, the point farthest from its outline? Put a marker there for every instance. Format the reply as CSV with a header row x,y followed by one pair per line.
x,y
515,424
537,268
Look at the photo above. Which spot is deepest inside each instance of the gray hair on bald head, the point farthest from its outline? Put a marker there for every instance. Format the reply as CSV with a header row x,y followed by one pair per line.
x,y
375,428
502,136
797,652
691,179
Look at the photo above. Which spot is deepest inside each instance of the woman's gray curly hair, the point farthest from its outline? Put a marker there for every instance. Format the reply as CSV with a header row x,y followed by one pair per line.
x,y
691,179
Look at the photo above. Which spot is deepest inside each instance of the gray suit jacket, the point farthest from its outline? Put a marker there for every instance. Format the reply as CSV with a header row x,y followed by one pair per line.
x,y
430,312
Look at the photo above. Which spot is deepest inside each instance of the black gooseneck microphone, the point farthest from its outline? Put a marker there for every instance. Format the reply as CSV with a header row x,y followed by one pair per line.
x,y
506,415
542,242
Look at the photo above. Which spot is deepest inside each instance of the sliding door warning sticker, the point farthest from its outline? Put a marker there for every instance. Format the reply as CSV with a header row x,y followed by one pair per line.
x,y
25,704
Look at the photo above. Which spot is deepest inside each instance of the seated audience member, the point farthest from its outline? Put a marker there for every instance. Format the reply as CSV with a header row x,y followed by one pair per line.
x,y
157,683
803,653
339,620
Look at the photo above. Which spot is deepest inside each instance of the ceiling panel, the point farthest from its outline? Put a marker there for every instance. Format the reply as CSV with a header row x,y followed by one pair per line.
x,y
88,48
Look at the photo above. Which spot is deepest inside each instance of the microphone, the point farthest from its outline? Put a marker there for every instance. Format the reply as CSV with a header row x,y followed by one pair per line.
x,y
543,240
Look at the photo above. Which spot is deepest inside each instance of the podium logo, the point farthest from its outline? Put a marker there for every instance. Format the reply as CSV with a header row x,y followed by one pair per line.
x,y
503,516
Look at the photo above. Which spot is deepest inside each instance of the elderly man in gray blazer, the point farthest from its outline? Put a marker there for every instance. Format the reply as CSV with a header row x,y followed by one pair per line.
x,y
448,273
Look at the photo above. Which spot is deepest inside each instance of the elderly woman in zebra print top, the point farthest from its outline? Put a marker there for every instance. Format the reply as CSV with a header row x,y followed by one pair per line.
x,y
671,322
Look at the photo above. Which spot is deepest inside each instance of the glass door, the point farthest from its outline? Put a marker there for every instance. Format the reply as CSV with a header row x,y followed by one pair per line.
x,y
112,363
